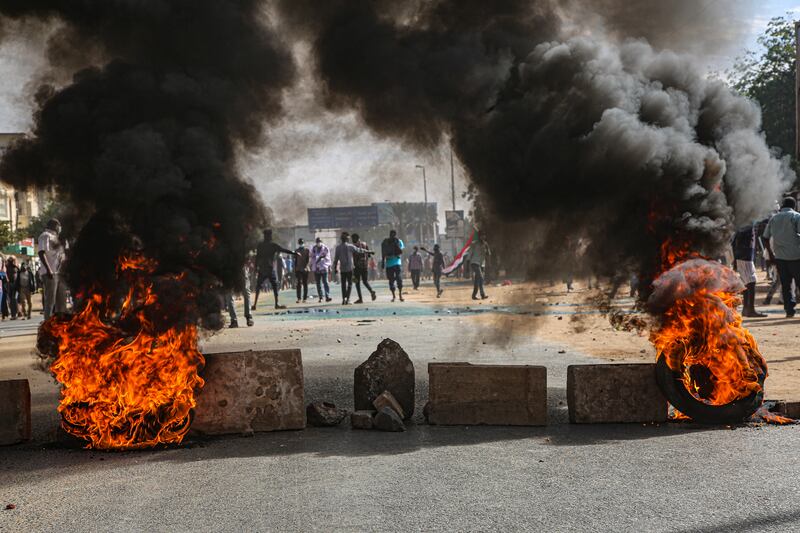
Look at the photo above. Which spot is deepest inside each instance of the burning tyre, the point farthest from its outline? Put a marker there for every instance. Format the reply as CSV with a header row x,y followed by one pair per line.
x,y
674,388
709,366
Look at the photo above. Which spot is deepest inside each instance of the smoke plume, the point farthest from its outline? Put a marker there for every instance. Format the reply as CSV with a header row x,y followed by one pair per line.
x,y
587,144
144,139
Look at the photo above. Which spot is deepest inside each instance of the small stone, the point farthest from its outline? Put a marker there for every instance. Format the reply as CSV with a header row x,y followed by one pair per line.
x,y
362,419
388,420
10,507
324,414
385,399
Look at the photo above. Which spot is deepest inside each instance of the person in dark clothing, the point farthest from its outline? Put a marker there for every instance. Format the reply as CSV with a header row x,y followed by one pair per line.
x,y
11,292
436,267
392,261
361,267
25,287
265,259
301,269
744,250
782,240
478,252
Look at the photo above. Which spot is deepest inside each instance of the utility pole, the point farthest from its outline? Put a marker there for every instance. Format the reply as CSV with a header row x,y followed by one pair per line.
x,y
452,179
797,91
425,215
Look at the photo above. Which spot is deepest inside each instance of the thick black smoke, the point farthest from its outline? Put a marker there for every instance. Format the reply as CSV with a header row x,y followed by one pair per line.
x,y
582,147
144,139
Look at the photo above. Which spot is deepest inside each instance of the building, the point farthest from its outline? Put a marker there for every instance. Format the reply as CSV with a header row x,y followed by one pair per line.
x,y
19,207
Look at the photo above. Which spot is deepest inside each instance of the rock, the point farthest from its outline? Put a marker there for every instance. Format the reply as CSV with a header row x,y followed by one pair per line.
x,y
324,414
252,391
362,419
388,420
15,411
388,369
386,399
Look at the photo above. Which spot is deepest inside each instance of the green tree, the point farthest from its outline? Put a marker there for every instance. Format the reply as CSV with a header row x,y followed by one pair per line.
x,y
768,78
38,223
8,236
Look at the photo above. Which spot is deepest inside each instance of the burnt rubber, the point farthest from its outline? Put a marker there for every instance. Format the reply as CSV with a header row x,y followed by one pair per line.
x,y
672,386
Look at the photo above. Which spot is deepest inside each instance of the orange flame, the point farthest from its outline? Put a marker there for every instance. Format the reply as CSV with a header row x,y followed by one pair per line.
x,y
125,387
701,333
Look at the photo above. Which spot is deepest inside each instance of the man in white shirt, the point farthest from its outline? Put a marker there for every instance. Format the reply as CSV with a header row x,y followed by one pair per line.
x,y
784,249
51,255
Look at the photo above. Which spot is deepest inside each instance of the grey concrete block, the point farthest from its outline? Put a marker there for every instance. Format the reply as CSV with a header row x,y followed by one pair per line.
x,y
504,395
614,393
15,411
251,391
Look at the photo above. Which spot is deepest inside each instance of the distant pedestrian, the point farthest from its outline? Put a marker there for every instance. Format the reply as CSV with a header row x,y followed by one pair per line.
x,y
26,286
52,254
437,265
373,269
301,263
415,267
784,250
265,261
3,289
392,261
478,252
361,259
744,250
344,258
320,263
12,270
246,296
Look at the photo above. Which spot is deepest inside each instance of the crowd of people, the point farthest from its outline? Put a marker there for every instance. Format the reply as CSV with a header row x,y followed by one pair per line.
x,y
21,278
775,242
351,263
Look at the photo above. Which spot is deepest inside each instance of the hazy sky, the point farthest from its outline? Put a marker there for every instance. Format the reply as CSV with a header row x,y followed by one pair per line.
x,y
317,158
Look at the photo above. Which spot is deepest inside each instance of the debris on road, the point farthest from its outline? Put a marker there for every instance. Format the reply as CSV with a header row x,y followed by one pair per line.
x,y
389,368
324,414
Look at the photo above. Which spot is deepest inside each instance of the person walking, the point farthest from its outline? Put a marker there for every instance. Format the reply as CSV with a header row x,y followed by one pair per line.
x,y
265,261
783,229
478,252
744,250
320,263
26,286
246,295
343,257
415,267
51,255
12,271
301,262
392,261
437,265
361,261
3,289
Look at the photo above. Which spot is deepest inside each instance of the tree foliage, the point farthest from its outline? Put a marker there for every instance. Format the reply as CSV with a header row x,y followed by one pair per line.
x,y
8,236
768,77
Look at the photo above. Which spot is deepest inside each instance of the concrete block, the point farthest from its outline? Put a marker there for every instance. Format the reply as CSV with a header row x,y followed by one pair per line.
x,y
251,391
614,393
500,395
787,409
15,411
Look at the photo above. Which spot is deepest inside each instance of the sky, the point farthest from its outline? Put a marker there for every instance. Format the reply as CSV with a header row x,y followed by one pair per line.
x,y
316,158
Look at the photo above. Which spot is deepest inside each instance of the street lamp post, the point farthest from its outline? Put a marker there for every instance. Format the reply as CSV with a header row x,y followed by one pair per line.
x,y
425,190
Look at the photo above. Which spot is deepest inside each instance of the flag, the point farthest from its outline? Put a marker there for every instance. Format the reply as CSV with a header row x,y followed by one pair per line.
x,y
459,258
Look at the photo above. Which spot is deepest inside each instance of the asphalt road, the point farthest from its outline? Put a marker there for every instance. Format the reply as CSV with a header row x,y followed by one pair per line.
x,y
672,477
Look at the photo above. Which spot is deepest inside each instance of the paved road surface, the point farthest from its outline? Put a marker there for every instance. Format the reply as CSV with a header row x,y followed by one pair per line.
x,y
673,477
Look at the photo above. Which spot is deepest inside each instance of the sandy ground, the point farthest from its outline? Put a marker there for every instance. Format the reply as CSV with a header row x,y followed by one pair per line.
x,y
554,315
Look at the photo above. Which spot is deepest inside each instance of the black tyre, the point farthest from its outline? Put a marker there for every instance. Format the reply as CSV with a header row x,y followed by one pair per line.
x,y
671,384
